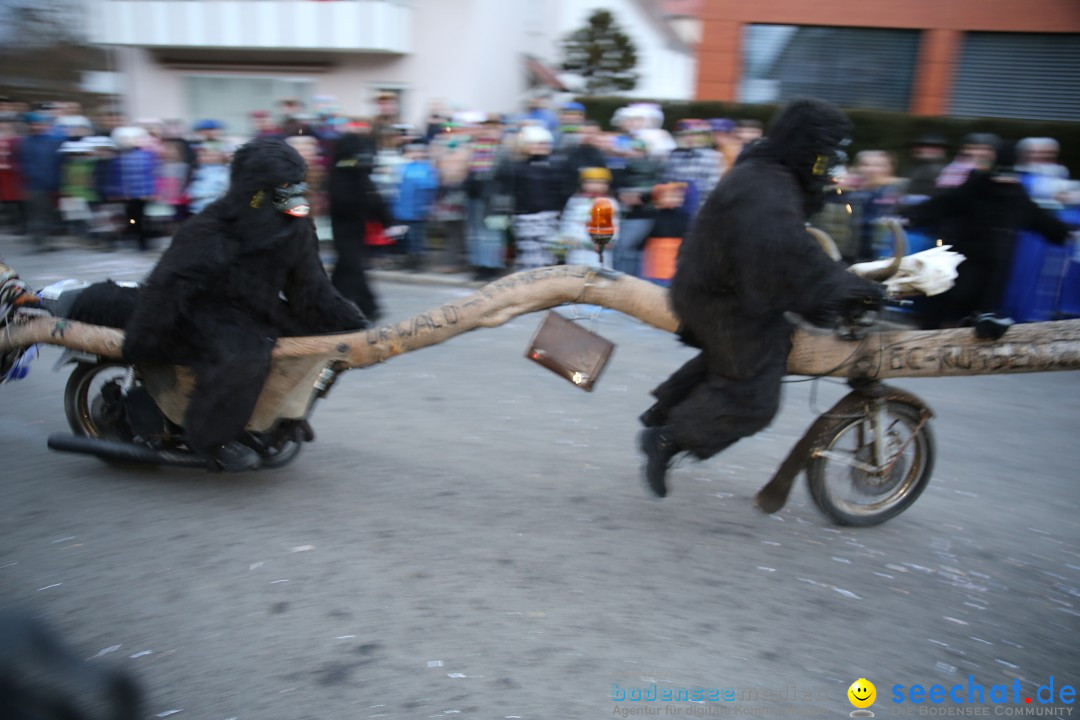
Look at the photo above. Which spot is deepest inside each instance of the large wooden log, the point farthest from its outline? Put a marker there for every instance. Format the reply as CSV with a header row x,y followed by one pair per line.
x,y
1030,347
1035,347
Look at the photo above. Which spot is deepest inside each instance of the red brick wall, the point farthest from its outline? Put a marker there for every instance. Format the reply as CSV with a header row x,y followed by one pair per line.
x,y
944,20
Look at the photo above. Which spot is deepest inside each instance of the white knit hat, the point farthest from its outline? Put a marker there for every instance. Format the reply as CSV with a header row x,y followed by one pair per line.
x,y
130,137
534,134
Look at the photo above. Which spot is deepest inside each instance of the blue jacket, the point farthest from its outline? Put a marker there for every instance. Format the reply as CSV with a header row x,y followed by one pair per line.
x,y
135,173
416,194
210,183
39,160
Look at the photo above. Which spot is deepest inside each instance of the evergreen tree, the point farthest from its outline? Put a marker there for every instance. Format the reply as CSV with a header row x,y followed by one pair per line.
x,y
601,53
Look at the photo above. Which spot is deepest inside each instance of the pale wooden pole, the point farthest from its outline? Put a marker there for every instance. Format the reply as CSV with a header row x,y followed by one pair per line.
x,y
1035,347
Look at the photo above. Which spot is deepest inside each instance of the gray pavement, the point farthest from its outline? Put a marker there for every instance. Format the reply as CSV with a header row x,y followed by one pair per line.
x,y
468,537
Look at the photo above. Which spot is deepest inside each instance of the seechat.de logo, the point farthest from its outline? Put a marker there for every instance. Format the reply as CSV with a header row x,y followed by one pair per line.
x,y
973,693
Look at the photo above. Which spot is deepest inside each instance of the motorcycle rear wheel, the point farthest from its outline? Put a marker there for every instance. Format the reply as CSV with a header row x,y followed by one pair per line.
x,y
80,395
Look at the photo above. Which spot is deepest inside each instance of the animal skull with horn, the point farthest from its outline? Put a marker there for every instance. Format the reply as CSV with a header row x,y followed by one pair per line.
x,y
929,272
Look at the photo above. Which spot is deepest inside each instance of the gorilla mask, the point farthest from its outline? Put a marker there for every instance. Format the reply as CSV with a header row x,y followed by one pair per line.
x,y
805,137
267,167
291,199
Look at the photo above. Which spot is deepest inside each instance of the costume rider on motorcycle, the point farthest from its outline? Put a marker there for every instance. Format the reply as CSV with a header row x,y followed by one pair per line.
x,y
236,277
748,261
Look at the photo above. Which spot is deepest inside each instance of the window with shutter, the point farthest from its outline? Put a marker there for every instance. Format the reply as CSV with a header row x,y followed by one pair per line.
x,y
1033,76
852,67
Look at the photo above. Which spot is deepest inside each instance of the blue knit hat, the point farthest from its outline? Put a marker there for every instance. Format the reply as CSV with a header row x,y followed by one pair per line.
x,y
722,125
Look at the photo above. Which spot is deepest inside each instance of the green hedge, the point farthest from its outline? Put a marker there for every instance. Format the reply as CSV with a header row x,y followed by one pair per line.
x,y
874,129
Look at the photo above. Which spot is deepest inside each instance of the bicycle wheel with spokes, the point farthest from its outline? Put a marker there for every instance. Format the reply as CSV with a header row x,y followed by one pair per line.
x,y
848,480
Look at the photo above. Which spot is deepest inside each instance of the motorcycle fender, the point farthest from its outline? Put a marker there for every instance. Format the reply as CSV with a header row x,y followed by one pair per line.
x,y
69,357
774,494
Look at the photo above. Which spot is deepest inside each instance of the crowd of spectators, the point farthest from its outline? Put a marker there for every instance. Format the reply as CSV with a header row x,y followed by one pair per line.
x,y
465,191
105,180
472,191
998,203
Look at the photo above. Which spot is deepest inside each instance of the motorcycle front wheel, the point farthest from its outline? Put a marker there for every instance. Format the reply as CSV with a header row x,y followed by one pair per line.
x,y
285,451
848,480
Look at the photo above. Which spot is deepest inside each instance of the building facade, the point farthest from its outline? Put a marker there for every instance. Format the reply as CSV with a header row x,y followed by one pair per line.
x,y
190,59
966,58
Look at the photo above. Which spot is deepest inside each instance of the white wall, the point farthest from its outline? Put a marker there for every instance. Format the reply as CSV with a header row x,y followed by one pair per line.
x,y
467,53
293,24
149,90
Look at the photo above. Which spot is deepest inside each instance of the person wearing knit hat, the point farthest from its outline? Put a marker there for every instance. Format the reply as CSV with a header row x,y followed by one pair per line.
x,y
77,191
535,137
535,184
135,173
485,209
595,175
927,160
978,151
36,155
571,115
575,244
693,162
725,142
75,126
691,126
208,130
417,190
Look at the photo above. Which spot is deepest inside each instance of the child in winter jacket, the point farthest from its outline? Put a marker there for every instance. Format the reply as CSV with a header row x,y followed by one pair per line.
x,y
595,183
211,178
417,189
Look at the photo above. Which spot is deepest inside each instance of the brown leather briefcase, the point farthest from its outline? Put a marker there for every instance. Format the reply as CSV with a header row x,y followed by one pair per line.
x,y
569,350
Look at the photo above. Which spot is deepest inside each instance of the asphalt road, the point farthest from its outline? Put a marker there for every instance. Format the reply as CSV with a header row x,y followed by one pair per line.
x,y
468,537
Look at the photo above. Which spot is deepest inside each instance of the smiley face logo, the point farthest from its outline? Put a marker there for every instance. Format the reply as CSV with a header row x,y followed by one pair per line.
x,y
862,693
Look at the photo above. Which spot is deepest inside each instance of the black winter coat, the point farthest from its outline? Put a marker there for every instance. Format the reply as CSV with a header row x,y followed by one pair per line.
x,y
980,219
535,183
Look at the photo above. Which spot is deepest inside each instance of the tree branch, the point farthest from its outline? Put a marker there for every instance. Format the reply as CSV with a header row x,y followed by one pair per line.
x,y
1034,347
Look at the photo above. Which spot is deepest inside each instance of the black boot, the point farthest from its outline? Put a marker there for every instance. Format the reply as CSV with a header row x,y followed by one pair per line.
x,y
655,416
989,326
659,448
234,456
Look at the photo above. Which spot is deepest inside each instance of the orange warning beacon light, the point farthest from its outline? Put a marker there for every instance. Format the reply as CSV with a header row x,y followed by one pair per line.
x,y
601,224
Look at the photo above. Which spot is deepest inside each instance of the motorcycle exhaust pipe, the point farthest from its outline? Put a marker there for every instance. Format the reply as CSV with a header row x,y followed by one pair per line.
x,y
123,452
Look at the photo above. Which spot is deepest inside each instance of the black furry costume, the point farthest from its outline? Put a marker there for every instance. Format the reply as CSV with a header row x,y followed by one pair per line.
x,y
747,261
236,277
354,202
980,219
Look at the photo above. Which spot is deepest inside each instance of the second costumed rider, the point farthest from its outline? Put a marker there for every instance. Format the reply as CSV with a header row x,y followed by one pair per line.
x,y
747,261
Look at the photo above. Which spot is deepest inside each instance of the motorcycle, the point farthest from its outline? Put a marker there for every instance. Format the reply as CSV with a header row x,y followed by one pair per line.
x,y
867,459
126,414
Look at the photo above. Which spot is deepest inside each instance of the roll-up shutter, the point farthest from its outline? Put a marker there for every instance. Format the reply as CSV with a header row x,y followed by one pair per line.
x,y
1034,76
852,67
